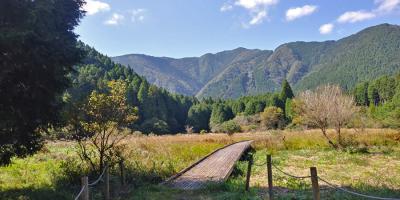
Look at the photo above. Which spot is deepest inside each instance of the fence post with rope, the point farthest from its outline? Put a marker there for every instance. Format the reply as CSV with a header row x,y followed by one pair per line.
x,y
107,183
84,192
249,172
314,182
85,188
269,172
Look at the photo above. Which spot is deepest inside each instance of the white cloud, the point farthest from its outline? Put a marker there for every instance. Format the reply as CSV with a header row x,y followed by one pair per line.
x,y
92,7
226,7
115,19
355,16
255,4
326,28
258,18
387,5
138,15
294,13
258,10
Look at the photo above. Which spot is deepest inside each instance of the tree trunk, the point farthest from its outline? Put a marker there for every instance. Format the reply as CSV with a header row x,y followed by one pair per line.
x,y
323,129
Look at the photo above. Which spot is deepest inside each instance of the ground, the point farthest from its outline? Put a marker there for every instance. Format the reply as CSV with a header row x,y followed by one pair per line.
x,y
370,164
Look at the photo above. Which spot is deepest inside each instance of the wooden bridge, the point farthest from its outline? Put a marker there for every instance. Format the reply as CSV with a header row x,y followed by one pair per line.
x,y
213,168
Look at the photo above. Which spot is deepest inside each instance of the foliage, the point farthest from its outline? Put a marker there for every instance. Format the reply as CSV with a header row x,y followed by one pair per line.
x,y
220,113
286,91
106,115
230,127
199,116
382,96
160,112
38,49
272,117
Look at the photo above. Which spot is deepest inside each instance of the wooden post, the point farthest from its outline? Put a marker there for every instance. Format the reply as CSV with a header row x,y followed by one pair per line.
x,y
121,168
314,181
107,183
85,184
249,173
269,171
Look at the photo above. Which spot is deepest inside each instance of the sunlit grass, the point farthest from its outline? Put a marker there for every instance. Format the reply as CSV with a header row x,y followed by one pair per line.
x,y
370,164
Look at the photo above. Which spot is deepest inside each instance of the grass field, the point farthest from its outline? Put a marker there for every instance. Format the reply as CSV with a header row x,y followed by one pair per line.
x,y
370,164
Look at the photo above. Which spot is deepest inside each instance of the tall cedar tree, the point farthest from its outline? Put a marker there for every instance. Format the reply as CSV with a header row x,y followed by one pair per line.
x,y
37,49
286,92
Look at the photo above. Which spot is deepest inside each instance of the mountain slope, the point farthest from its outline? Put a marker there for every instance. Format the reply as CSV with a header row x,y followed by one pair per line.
x,y
230,74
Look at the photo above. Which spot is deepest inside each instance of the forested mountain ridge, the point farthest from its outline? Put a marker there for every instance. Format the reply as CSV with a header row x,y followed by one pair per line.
x,y
367,54
159,111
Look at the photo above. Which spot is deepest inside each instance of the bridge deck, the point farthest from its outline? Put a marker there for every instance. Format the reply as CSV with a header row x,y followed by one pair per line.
x,y
216,167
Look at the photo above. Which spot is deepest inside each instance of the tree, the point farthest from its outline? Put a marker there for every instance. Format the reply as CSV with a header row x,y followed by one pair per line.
x,y
199,117
38,49
220,113
325,106
107,115
238,107
361,94
286,91
315,109
343,109
253,107
272,117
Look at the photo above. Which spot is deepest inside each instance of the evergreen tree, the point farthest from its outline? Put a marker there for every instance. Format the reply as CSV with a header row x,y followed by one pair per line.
x,y
38,49
199,117
220,113
286,91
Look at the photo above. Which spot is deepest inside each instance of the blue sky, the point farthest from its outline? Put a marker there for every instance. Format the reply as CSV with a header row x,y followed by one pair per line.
x,y
182,28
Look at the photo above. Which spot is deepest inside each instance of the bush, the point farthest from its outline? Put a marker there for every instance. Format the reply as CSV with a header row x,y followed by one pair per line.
x,y
272,117
230,127
202,132
155,125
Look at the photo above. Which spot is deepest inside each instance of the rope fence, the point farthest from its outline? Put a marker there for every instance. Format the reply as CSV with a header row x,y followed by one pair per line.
x,y
290,175
103,177
314,180
84,192
79,194
98,179
354,193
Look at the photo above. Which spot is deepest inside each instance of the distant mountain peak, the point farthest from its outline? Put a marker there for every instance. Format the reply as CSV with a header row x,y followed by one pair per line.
x,y
367,54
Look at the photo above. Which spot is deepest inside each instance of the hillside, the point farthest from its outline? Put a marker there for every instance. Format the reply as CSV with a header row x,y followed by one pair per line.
x,y
367,54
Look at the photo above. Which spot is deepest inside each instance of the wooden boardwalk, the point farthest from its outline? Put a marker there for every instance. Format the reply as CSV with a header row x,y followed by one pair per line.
x,y
215,167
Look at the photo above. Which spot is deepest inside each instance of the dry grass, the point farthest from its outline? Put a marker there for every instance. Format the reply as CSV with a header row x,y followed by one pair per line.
x,y
370,164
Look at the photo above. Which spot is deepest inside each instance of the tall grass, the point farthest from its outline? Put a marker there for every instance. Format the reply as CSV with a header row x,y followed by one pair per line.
x,y
54,172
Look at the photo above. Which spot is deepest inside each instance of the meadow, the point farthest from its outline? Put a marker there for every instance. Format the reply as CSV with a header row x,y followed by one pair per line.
x,y
369,164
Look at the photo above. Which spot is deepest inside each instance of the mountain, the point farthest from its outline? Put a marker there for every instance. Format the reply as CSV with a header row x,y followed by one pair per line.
x,y
370,53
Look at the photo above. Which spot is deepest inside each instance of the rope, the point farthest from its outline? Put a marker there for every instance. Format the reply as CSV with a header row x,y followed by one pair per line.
x,y
290,175
260,165
77,196
354,193
98,179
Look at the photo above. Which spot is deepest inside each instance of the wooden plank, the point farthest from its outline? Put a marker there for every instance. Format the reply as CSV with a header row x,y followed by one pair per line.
x,y
215,167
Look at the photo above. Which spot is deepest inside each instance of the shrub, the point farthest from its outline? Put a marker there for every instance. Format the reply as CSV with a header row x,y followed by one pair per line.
x,y
272,117
230,127
155,125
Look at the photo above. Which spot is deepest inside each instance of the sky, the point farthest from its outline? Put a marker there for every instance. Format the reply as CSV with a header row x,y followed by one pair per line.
x,y
185,28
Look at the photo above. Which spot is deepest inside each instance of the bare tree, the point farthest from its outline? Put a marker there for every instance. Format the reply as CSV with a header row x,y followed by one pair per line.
x,y
326,106
343,110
